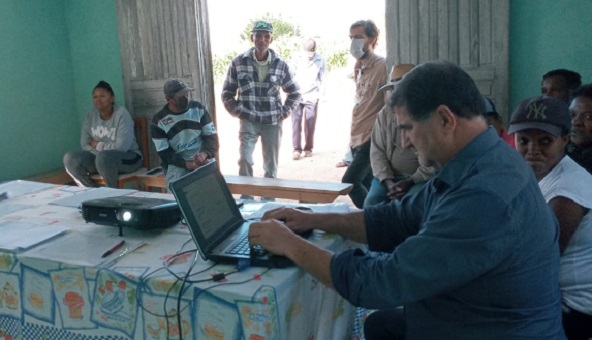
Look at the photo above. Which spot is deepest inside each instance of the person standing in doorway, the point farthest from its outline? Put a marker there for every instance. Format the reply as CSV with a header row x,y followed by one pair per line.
x,y
371,75
310,74
251,93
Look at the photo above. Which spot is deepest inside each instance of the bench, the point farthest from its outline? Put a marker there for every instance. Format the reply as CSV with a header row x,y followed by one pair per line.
x,y
58,176
301,190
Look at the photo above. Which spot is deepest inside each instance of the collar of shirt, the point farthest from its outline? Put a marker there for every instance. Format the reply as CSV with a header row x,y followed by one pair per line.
x,y
456,169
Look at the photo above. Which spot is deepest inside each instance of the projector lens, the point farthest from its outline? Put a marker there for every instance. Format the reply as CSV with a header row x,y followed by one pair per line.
x,y
127,216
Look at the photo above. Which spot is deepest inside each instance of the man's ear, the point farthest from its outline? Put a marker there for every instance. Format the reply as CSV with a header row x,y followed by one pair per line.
x,y
446,117
252,36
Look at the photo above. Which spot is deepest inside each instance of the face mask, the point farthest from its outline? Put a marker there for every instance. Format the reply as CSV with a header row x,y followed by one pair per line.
x,y
357,48
182,103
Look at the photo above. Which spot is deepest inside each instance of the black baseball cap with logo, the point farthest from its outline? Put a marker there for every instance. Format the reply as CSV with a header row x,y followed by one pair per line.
x,y
544,113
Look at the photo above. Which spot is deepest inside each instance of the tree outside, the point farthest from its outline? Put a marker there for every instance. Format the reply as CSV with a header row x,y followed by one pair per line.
x,y
287,42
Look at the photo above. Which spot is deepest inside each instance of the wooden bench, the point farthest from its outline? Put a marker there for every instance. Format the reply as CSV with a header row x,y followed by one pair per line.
x,y
303,191
58,176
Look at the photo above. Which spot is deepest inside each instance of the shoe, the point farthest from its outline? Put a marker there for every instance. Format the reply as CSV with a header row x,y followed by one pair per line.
x,y
247,197
307,153
267,199
341,164
296,155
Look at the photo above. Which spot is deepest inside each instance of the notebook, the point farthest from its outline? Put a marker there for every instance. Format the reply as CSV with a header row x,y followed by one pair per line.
x,y
214,220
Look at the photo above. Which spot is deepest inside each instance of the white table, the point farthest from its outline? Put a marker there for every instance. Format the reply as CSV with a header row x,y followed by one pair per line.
x,y
62,298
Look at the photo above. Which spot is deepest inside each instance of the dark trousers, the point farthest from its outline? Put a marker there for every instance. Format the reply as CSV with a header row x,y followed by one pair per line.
x,y
359,173
385,324
308,111
577,325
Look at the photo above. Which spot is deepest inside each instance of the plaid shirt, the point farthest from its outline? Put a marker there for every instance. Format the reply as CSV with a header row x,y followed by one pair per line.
x,y
259,101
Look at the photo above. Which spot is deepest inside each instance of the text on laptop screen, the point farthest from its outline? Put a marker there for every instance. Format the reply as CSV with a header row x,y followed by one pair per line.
x,y
207,203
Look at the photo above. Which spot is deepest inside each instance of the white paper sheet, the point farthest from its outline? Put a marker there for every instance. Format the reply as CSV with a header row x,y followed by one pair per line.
x,y
17,235
83,249
20,187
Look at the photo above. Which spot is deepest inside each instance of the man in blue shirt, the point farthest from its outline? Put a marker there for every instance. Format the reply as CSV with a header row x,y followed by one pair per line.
x,y
472,255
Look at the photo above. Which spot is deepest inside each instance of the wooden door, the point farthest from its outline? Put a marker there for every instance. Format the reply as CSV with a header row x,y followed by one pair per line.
x,y
159,40
471,33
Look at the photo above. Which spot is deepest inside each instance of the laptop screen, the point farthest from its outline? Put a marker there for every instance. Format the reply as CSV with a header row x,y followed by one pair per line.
x,y
207,205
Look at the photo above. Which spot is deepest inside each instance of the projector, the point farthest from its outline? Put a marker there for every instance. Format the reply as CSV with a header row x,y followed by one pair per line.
x,y
130,211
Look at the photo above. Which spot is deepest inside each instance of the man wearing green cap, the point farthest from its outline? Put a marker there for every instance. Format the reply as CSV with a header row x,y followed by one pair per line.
x,y
251,92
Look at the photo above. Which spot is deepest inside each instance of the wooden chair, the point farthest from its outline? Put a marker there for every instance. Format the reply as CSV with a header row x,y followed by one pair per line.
x,y
141,131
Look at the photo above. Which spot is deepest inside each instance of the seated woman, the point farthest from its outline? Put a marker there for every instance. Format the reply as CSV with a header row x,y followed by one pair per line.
x,y
541,126
108,142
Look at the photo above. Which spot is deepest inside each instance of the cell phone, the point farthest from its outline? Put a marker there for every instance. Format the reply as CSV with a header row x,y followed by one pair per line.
x,y
154,171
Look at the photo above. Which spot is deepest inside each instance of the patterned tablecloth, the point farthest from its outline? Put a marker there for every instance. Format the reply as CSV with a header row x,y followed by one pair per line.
x,y
43,296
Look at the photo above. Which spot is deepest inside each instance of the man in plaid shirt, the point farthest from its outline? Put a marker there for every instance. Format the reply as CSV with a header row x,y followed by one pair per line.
x,y
251,93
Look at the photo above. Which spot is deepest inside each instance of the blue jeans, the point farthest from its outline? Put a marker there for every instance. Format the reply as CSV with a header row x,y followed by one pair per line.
x,y
271,137
377,193
359,173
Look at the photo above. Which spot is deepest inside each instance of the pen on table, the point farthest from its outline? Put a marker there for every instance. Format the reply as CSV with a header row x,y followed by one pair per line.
x,y
113,249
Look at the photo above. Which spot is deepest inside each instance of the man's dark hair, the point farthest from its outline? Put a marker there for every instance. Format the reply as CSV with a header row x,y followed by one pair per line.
x,y
370,28
573,80
583,91
438,83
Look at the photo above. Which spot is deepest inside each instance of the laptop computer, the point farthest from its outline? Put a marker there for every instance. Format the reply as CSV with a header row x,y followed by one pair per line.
x,y
214,220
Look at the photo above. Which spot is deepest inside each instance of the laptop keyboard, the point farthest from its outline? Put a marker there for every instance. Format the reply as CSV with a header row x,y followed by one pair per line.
x,y
241,247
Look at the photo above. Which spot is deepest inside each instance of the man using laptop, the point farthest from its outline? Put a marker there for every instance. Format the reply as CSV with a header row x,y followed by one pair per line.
x,y
472,255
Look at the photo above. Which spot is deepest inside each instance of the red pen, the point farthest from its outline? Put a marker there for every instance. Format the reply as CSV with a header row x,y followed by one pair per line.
x,y
113,249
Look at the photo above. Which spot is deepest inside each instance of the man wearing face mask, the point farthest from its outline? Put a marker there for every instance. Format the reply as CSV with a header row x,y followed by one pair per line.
x,y
370,76
183,132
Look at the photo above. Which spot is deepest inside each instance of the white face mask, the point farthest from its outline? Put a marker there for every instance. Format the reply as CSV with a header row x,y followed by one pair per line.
x,y
357,48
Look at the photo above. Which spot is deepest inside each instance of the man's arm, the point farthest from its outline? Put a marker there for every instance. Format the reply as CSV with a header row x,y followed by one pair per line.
x,y
292,90
278,238
381,166
229,90
161,142
350,225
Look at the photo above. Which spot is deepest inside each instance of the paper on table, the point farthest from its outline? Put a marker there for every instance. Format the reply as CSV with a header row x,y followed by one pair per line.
x,y
20,187
82,249
17,236
76,200
9,208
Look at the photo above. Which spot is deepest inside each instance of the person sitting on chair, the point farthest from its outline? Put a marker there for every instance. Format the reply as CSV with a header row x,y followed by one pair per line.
x,y
183,132
108,142
541,126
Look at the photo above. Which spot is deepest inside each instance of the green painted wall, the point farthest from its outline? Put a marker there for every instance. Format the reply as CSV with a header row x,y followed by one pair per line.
x,y
546,35
53,53
94,50
36,99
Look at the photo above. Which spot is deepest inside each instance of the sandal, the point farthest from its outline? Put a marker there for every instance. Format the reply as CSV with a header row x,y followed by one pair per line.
x,y
296,155
341,164
307,153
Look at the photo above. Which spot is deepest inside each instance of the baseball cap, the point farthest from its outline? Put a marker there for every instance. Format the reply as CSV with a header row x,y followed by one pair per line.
x,y
261,25
542,113
397,73
489,107
175,87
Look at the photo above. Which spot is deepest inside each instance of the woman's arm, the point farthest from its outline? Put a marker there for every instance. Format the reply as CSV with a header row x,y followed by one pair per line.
x,y
569,215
